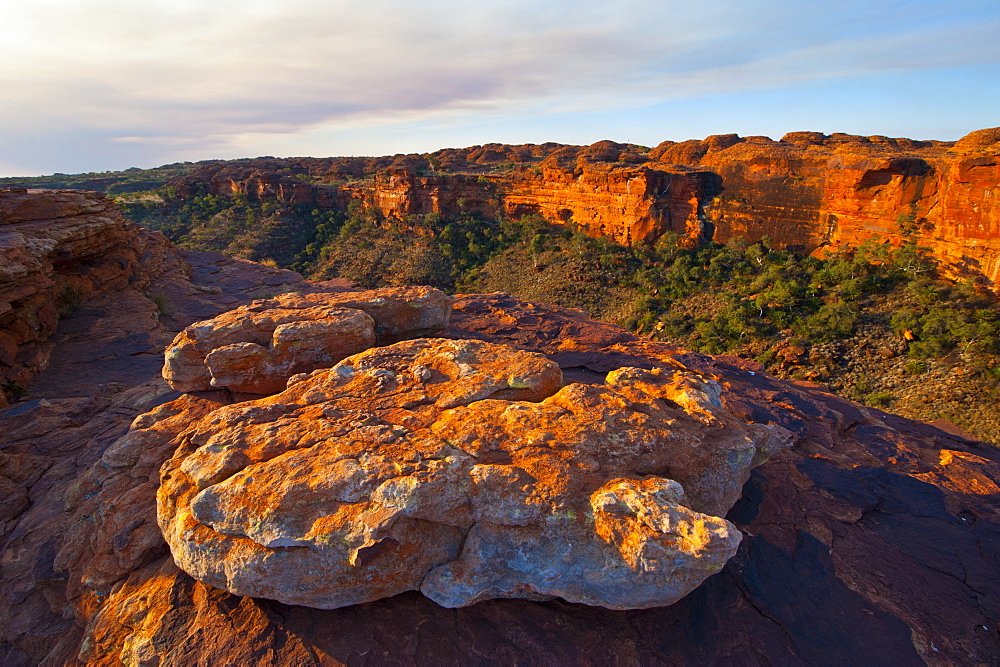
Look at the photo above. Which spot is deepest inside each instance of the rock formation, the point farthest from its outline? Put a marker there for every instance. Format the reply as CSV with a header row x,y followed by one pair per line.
x,y
808,192
460,468
256,348
58,248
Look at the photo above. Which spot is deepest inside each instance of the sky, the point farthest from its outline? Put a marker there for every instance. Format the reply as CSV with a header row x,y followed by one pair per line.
x,y
96,85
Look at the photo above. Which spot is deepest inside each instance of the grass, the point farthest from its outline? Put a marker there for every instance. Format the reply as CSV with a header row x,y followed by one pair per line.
x,y
69,300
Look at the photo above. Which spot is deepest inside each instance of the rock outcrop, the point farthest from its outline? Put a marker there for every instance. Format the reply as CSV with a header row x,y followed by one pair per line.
x,y
256,348
462,469
58,248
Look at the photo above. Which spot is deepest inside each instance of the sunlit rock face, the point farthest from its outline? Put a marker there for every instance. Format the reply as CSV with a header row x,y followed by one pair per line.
x,y
256,348
808,192
468,471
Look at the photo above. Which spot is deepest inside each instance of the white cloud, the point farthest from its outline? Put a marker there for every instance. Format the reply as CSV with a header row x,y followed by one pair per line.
x,y
192,76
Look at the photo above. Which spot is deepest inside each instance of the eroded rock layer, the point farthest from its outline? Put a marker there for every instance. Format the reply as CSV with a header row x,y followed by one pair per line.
x,y
58,248
460,468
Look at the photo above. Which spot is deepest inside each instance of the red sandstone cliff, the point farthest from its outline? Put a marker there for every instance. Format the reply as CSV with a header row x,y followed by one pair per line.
x,y
809,192
814,193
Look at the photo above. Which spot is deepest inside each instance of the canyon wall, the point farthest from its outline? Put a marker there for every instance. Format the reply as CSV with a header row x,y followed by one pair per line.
x,y
57,249
816,194
808,192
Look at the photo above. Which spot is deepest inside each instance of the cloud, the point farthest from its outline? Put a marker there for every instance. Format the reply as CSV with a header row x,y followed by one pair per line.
x,y
185,77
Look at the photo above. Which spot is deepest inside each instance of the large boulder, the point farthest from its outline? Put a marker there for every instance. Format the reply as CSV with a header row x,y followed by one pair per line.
x,y
256,348
466,470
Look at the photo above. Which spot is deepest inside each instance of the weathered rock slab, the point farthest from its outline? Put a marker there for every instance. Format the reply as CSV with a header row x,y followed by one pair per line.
x,y
466,470
256,348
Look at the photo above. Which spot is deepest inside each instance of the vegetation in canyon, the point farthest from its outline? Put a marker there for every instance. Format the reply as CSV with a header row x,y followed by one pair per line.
x,y
130,180
876,323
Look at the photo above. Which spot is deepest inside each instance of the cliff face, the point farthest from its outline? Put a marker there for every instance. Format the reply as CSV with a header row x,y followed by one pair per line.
x,y
57,249
809,192
821,195
631,204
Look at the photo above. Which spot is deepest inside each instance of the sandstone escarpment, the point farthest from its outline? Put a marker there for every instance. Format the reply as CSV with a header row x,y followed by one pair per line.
x,y
57,249
823,194
809,192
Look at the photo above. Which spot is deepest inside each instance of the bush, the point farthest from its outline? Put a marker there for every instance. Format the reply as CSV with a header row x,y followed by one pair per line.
x,y
163,308
879,399
13,390
69,300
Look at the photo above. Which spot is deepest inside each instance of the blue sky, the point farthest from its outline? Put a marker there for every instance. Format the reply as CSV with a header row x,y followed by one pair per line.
x,y
93,85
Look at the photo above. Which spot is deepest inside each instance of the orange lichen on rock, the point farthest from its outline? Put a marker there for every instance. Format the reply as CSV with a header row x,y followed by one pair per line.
x,y
465,470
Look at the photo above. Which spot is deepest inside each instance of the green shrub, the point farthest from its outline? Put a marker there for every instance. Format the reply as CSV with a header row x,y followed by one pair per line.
x,y
69,300
162,302
879,399
13,389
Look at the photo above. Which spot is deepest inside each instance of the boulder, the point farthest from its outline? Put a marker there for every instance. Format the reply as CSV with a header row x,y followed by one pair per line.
x,y
256,348
466,470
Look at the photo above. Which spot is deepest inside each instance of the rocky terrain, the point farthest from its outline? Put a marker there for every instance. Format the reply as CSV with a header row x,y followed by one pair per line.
x,y
460,468
868,539
56,251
